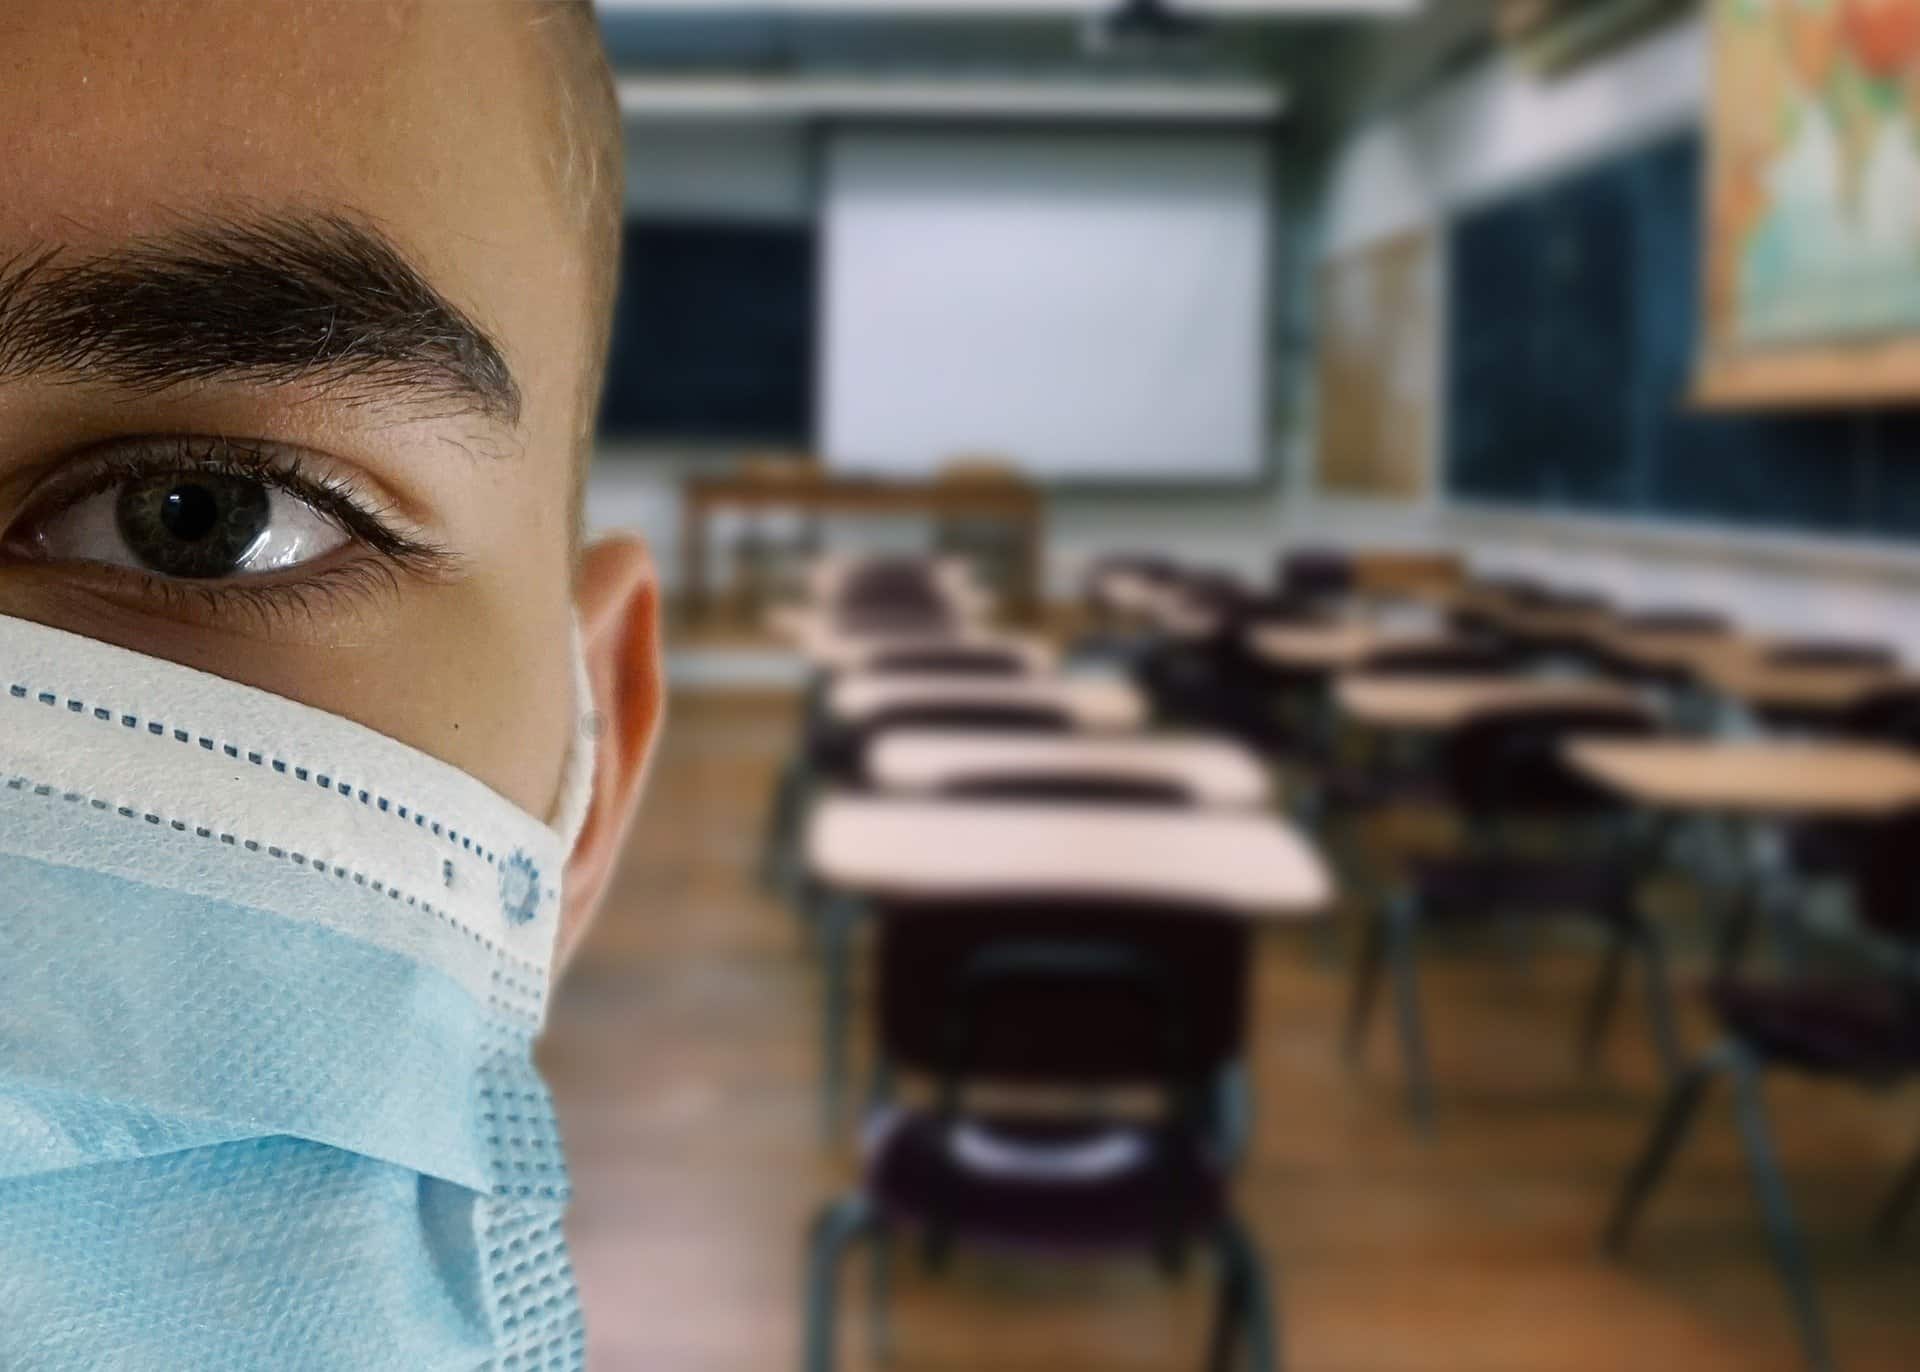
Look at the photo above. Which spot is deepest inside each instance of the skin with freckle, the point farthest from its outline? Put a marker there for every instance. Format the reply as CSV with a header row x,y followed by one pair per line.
x,y
435,123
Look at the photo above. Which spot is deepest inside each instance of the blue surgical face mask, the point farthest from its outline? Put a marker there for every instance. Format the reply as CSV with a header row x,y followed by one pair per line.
x,y
268,988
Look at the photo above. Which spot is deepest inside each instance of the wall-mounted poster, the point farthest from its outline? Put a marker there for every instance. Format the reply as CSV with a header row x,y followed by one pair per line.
x,y
1378,370
1813,205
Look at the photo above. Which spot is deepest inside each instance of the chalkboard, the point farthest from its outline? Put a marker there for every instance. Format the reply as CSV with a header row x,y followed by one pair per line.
x,y
1573,319
713,333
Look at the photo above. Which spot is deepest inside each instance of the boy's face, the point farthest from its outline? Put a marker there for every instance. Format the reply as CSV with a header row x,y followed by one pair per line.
x,y
306,158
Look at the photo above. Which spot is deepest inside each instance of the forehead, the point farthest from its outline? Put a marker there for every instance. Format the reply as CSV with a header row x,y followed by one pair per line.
x,y
434,121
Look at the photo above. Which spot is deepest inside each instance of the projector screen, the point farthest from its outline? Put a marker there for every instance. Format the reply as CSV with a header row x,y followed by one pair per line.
x,y
1090,305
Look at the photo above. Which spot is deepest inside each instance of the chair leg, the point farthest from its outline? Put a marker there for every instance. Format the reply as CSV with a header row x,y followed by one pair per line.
x,y
1735,935
880,1294
1783,1232
1682,1103
1248,1314
1368,965
1601,1002
838,914
1402,921
1660,1012
1893,1211
837,1229
782,819
1229,1313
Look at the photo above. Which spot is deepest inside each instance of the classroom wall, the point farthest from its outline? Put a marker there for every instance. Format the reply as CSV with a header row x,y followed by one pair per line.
x,y
1490,130
1499,128
718,169
696,170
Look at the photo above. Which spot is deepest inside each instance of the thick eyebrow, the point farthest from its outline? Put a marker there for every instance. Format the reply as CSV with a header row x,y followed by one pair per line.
x,y
321,299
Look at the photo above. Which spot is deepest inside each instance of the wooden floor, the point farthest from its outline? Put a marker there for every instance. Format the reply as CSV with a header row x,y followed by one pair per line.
x,y
681,1055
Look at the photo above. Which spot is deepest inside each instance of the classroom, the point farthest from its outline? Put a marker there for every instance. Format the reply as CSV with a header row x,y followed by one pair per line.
x,y
1292,733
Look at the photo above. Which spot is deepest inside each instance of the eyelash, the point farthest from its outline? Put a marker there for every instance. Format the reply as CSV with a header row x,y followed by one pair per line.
x,y
367,521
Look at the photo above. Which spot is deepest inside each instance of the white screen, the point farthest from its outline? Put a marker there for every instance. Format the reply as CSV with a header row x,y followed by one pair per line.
x,y
1090,305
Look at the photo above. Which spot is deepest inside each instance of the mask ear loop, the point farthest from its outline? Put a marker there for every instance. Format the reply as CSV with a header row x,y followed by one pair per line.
x,y
576,779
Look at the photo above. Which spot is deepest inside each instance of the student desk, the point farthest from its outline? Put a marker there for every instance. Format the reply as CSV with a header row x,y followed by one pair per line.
x,y
1678,651
1215,772
1018,504
862,848
1548,624
832,650
1337,647
1124,592
1435,704
951,576
1742,674
1090,702
1735,667
1758,785
1780,779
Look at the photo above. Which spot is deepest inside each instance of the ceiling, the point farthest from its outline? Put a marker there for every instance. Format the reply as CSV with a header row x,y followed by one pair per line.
x,y
1335,60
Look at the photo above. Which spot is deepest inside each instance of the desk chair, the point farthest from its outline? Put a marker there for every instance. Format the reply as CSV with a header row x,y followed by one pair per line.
x,y
1833,652
1317,573
1074,994
1214,683
1834,848
957,660
1674,623
1864,1029
1504,770
1890,715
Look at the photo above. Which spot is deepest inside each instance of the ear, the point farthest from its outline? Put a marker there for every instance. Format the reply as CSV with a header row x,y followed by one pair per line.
x,y
618,602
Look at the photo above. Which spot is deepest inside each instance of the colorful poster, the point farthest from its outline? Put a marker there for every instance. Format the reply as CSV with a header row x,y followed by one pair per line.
x,y
1814,204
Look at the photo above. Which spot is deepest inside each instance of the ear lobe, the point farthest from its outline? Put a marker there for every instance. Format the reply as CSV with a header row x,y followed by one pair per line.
x,y
618,602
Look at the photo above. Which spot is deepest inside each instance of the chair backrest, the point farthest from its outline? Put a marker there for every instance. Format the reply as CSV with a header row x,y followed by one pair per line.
x,y
957,660
1073,992
1439,659
1512,762
1833,652
901,621
1891,716
1282,609
1315,572
890,583
1887,880
1676,621
1073,786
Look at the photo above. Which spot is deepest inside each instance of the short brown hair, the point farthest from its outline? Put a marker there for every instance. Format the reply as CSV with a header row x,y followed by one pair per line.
x,y
591,177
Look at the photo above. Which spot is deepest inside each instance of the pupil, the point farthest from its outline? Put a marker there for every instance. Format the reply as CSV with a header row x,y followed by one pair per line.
x,y
204,525
189,512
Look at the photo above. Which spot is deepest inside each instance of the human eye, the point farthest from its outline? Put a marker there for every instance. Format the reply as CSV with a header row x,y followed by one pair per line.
x,y
214,515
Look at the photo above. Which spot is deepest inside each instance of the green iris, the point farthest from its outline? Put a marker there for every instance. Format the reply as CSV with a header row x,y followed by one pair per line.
x,y
197,526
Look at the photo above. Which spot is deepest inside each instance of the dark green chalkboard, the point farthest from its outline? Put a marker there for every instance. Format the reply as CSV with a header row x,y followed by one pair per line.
x,y
1572,318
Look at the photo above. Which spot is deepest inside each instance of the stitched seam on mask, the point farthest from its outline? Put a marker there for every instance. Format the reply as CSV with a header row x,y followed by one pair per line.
x,y
319,867
258,757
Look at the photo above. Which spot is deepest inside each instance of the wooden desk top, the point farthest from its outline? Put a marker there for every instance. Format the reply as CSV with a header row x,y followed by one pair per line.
x,y
818,635
1741,671
1215,771
1092,702
1335,647
844,654
1671,650
1129,593
1434,704
1253,864
1755,777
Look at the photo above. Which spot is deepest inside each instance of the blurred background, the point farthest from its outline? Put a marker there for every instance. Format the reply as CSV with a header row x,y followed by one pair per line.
x,y
1290,632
